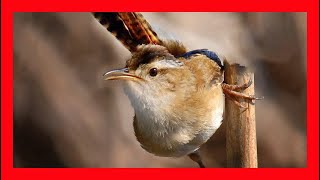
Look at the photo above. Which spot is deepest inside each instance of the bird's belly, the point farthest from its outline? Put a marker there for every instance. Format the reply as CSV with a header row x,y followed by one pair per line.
x,y
171,132
178,142
167,150
167,146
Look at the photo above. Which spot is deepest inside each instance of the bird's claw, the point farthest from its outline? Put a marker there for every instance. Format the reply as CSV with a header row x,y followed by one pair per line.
x,y
232,92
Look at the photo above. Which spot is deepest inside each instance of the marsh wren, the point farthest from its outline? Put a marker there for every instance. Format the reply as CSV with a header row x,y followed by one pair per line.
x,y
177,95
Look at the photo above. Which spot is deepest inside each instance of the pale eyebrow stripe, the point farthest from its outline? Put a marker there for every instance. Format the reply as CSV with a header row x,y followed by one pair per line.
x,y
169,63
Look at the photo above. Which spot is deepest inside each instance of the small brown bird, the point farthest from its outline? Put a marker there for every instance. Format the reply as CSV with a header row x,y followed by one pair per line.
x,y
177,96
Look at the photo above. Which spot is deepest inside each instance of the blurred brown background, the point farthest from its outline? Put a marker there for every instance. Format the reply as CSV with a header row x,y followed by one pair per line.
x,y
65,115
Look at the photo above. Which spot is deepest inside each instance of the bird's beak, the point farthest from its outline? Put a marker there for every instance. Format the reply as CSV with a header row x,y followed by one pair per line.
x,y
120,74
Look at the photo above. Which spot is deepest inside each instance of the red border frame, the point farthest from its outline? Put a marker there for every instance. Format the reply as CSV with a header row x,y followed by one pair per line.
x,y
310,6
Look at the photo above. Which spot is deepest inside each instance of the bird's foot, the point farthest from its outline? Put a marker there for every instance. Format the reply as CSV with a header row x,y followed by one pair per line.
x,y
232,92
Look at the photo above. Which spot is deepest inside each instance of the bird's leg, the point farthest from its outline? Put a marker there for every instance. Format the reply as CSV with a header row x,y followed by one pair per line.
x,y
232,91
195,156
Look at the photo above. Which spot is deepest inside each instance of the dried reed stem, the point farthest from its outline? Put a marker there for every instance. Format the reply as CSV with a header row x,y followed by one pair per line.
x,y
241,142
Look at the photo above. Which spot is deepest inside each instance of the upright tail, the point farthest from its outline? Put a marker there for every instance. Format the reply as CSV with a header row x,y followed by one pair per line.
x,y
130,28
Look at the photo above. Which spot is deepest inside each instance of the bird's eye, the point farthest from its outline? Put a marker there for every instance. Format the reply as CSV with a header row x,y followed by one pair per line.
x,y
153,72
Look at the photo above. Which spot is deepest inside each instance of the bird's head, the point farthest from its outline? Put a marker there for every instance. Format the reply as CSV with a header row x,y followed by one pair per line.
x,y
161,77
152,72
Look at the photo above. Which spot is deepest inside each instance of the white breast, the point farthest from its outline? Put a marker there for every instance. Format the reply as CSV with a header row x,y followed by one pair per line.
x,y
161,136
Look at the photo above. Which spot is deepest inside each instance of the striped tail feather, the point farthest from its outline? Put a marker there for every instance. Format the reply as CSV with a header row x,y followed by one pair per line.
x,y
114,24
130,28
140,28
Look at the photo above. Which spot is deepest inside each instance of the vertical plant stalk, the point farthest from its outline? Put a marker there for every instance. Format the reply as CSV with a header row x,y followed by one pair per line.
x,y
241,143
